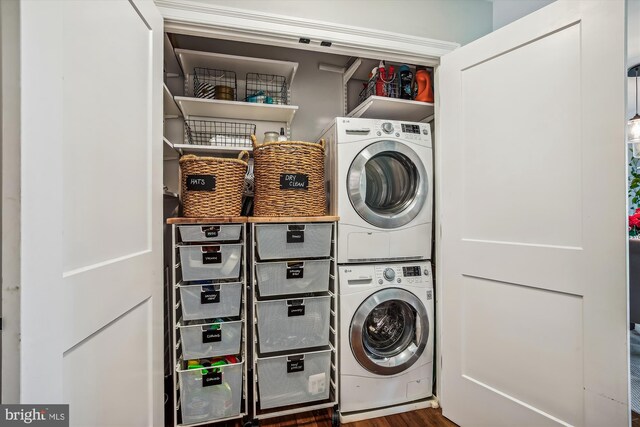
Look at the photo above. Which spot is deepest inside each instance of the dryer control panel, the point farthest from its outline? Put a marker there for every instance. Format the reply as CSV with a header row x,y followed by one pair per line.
x,y
406,130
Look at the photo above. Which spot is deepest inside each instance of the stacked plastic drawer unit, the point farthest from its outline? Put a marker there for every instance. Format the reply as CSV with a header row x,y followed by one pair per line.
x,y
209,337
294,317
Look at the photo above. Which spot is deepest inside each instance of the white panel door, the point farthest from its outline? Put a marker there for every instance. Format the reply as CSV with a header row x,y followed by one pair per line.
x,y
533,222
91,78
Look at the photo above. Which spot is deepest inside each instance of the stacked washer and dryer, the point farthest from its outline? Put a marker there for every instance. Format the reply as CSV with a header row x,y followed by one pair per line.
x,y
379,177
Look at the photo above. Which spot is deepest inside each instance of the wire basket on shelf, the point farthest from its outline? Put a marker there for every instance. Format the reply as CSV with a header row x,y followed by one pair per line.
x,y
387,87
267,89
209,83
227,134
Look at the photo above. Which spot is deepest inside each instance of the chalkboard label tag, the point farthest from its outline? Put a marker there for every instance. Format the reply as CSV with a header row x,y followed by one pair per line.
x,y
295,310
211,378
211,257
211,335
201,183
296,236
209,296
294,181
295,366
295,273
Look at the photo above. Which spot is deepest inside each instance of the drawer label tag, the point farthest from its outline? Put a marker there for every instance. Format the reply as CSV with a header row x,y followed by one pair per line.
x,y
209,296
295,310
211,335
201,182
294,181
295,272
210,232
296,236
212,378
211,257
295,366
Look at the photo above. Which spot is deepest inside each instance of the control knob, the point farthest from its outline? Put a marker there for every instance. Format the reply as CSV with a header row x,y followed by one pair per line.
x,y
389,274
387,127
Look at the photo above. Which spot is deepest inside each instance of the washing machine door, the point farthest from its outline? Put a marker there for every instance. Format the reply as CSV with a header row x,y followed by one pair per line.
x,y
389,331
387,184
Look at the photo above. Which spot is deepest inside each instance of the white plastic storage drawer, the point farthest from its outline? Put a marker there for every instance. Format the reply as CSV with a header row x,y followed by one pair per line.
x,y
211,339
282,241
210,233
293,323
292,277
210,262
289,380
210,393
210,301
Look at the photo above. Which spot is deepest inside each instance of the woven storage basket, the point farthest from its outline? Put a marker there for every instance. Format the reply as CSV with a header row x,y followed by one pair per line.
x,y
289,179
212,186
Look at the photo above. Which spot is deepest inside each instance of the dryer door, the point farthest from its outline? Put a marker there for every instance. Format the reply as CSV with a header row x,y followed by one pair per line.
x,y
387,184
389,331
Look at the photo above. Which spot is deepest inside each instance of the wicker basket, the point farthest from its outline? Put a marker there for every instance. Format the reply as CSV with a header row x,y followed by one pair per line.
x,y
289,179
212,186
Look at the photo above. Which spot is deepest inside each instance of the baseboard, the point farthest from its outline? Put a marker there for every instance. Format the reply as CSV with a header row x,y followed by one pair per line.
x,y
351,417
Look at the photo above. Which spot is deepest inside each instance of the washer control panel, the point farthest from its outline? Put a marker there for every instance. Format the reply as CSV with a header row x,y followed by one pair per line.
x,y
405,273
418,132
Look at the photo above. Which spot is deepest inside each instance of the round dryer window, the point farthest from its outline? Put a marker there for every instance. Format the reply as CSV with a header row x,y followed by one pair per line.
x,y
389,331
387,184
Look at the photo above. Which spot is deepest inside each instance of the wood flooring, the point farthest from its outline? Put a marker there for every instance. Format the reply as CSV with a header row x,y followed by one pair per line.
x,y
419,418
322,418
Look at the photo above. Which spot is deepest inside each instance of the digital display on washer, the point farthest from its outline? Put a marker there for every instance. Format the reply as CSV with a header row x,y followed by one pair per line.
x,y
410,128
411,271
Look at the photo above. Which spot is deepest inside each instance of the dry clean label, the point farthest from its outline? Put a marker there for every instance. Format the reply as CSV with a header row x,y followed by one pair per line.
x,y
201,182
294,181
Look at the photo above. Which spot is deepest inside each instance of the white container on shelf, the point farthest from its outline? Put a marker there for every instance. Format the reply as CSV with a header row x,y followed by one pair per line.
x,y
212,339
210,393
210,301
292,324
211,262
290,380
282,241
292,277
210,233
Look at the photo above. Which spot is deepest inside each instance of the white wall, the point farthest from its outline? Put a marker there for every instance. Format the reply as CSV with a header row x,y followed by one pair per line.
x,y
507,11
633,50
458,21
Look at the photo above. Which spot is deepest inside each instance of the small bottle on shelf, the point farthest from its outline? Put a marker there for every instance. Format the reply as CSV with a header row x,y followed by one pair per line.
x,y
282,136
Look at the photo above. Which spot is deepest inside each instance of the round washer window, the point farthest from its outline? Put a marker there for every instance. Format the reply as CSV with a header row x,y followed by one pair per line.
x,y
389,329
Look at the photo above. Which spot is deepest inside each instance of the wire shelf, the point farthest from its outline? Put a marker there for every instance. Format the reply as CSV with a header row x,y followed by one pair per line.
x,y
209,83
227,134
267,89
387,87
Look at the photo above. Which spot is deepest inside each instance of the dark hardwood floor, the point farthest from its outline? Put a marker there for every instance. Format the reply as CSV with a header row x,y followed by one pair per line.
x,y
420,418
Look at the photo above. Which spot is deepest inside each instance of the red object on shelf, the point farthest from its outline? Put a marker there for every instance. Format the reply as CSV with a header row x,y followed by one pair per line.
x,y
425,89
380,80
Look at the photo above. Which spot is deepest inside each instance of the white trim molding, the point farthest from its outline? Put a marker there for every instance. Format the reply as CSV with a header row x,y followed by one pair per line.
x,y
206,20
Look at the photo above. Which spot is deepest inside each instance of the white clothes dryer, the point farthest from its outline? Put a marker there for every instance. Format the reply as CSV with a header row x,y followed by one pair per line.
x,y
379,178
386,335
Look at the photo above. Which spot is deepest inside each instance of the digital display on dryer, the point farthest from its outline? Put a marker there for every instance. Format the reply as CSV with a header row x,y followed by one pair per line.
x,y
411,271
410,128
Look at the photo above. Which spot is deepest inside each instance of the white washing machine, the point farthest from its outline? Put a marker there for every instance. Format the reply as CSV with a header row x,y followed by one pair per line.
x,y
379,181
386,335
